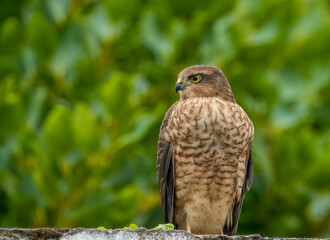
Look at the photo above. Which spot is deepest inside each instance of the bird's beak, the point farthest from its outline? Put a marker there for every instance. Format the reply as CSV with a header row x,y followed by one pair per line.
x,y
178,85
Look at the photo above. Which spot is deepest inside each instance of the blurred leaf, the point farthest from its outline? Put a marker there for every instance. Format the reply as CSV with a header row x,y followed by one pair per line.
x,y
57,130
115,92
167,226
58,9
9,37
85,130
84,86
62,62
41,35
34,112
132,226
10,108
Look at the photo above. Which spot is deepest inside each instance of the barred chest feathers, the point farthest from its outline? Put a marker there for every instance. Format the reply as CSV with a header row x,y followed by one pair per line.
x,y
209,139
208,116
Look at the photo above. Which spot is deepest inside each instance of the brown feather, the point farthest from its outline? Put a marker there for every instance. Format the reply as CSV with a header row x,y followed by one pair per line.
x,y
248,179
204,159
166,173
214,83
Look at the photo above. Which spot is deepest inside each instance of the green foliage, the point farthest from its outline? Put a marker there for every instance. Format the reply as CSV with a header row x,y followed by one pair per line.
x,y
166,226
132,226
84,86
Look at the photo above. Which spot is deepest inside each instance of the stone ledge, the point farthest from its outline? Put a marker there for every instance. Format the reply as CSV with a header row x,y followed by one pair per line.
x,y
116,234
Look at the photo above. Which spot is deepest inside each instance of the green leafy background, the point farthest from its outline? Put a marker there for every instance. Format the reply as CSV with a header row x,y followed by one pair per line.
x,y
84,85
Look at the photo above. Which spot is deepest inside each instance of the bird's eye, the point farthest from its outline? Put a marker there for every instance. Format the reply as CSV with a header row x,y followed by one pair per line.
x,y
195,78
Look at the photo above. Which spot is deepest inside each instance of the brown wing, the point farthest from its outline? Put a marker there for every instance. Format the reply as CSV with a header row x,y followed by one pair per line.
x,y
231,230
166,172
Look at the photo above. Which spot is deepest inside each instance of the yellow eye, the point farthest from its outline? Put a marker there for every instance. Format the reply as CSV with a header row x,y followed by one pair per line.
x,y
195,78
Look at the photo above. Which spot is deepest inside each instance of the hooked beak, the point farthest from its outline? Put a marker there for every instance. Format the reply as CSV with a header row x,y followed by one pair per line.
x,y
178,87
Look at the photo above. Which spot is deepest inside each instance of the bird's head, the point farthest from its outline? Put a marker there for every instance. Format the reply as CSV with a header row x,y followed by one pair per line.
x,y
203,81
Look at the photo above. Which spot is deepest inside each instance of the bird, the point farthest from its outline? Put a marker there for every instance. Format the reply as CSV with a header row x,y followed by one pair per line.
x,y
204,155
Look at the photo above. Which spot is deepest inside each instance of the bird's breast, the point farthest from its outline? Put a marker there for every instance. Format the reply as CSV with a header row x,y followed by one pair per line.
x,y
198,119
208,136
